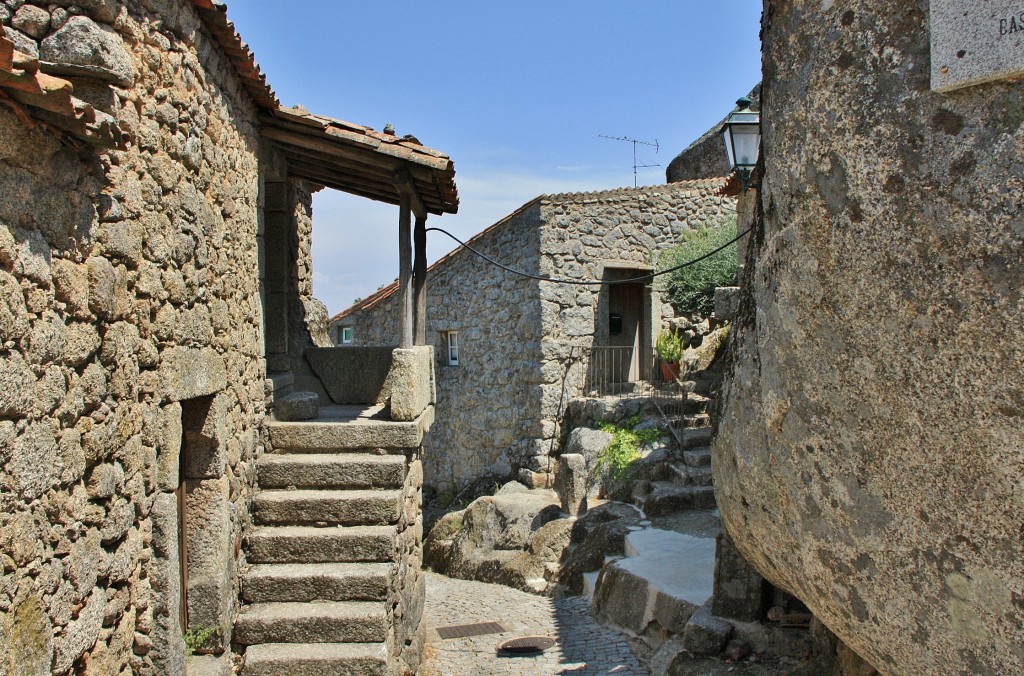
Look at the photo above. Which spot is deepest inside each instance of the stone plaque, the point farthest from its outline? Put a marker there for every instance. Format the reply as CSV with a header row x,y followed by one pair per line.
x,y
975,41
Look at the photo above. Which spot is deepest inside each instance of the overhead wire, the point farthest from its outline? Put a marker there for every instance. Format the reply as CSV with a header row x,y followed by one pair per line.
x,y
577,282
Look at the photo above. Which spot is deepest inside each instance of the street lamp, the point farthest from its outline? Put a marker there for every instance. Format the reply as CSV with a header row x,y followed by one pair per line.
x,y
742,135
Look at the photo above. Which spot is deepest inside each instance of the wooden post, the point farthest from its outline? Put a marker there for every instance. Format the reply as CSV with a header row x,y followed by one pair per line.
x,y
419,283
405,271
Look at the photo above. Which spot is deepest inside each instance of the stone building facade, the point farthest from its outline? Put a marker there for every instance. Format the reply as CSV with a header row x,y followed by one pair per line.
x,y
870,451
524,345
138,198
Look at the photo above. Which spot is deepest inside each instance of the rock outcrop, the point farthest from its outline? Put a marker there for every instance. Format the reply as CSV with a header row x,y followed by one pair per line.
x,y
870,454
515,537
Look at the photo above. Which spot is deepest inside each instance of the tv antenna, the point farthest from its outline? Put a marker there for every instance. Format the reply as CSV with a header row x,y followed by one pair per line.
x,y
636,142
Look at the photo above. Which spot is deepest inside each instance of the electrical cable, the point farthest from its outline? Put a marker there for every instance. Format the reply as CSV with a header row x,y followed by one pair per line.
x,y
574,282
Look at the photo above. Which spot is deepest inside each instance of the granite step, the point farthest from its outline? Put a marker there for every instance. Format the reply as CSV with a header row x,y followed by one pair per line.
x,y
696,420
698,457
694,438
316,659
322,622
684,475
267,583
354,432
695,403
309,544
664,497
330,470
306,507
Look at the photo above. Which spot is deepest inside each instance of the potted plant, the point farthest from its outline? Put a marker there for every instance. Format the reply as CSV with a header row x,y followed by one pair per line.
x,y
670,348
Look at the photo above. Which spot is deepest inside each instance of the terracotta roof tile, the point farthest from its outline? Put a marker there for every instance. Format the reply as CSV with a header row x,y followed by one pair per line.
x,y
214,15
49,99
359,160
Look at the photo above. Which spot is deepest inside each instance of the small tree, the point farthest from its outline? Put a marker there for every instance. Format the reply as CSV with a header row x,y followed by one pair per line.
x,y
691,290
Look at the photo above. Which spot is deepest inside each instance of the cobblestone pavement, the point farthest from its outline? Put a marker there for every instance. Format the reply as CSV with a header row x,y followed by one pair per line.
x,y
583,646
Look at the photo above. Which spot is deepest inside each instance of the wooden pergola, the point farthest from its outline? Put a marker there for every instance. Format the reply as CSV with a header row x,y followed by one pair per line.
x,y
382,167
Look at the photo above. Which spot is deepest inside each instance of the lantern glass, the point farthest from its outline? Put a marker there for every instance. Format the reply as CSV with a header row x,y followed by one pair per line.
x,y
742,135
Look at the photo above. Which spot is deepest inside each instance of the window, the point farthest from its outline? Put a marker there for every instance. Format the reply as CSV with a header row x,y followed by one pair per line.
x,y
453,348
346,335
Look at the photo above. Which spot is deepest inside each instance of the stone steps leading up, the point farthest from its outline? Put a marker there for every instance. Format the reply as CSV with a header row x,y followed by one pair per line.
x,y
316,659
684,475
664,497
345,507
697,437
268,583
697,457
309,544
330,470
320,622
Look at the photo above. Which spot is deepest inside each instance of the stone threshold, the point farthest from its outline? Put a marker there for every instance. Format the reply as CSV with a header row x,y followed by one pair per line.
x,y
349,427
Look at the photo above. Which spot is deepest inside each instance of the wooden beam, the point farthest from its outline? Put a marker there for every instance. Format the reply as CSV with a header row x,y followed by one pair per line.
x,y
405,273
419,280
403,181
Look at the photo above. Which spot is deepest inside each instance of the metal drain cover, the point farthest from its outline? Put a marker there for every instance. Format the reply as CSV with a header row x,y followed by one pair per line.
x,y
526,645
465,630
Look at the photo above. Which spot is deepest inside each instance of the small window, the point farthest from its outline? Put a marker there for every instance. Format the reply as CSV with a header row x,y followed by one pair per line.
x,y
346,335
453,348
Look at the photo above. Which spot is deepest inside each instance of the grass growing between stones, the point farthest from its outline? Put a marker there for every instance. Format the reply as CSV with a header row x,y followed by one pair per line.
x,y
196,638
625,447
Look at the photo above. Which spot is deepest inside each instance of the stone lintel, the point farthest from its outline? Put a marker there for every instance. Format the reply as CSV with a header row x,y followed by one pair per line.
x,y
188,372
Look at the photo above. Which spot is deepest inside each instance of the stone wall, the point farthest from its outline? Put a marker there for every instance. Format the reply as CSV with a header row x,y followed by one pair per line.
x,y
483,407
131,343
497,411
870,452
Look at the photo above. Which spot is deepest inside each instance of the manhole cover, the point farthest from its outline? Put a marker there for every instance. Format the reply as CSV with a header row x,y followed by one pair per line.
x,y
464,630
526,645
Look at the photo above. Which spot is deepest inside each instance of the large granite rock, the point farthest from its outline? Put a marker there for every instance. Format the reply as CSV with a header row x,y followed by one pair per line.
x,y
870,454
515,537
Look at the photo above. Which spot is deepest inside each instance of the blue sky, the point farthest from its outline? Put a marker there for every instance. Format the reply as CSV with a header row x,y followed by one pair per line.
x,y
518,93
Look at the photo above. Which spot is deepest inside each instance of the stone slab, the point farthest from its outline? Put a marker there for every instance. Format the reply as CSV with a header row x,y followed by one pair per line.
x,y
347,507
318,435
313,581
309,544
316,659
412,382
330,470
679,565
352,375
325,622
975,42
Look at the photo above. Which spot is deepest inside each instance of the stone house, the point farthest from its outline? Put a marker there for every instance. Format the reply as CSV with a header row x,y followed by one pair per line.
x,y
156,309
512,351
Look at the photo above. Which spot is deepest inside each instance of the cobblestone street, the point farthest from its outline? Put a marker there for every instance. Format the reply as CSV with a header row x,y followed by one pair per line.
x,y
583,646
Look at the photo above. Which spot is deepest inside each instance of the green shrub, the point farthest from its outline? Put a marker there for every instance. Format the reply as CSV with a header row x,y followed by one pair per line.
x,y
691,290
625,447
196,638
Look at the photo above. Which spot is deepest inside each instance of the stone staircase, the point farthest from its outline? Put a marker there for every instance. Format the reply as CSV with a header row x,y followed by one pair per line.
x,y
333,553
684,482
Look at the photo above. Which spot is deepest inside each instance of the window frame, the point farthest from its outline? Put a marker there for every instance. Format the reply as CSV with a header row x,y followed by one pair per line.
x,y
342,331
452,345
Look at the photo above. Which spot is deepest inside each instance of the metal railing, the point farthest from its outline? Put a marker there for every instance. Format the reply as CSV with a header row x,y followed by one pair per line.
x,y
620,372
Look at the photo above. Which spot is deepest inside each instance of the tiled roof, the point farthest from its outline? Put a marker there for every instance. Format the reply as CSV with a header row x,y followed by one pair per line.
x,y
713,184
214,15
49,100
359,160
